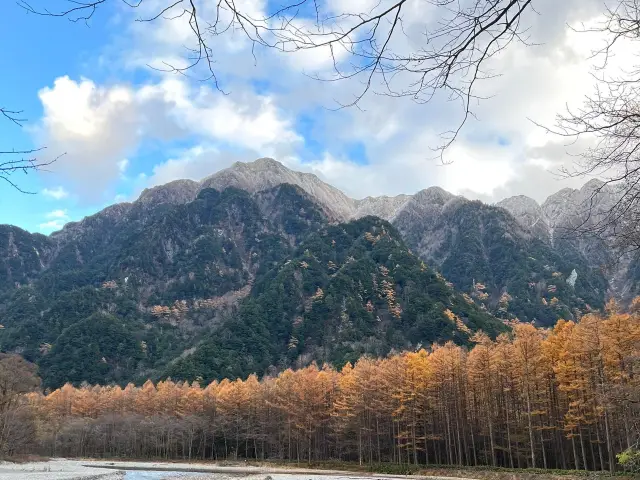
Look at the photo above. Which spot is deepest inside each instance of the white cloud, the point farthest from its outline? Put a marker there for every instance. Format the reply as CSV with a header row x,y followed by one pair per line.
x,y
57,193
100,127
194,164
500,154
96,126
122,165
52,225
57,219
57,214
244,119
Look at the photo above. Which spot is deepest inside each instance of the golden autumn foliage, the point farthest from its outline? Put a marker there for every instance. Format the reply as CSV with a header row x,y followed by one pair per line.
x,y
561,398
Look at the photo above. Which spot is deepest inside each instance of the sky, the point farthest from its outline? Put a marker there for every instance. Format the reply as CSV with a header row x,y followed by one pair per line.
x,y
95,95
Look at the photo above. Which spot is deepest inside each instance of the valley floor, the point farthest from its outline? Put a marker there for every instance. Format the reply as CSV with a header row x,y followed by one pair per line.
x,y
63,469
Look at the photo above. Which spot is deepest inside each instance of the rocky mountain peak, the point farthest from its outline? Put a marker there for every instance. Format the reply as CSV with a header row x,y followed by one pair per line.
x,y
260,165
267,173
528,213
383,207
435,195
593,184
175,192
569,205
519,203
556,205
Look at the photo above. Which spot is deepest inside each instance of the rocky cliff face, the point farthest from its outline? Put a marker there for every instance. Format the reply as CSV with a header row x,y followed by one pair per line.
x,y
267,173
569,211
529,213
382,207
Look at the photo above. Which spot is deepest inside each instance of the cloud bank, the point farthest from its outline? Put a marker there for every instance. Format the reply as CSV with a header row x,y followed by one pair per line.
x,y
274,109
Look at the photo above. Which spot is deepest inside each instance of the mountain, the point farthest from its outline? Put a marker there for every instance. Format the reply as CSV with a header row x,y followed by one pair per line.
x,y
266,173
258,267
142,289
127,259
485,252
260,175
431,221
559,217
529,214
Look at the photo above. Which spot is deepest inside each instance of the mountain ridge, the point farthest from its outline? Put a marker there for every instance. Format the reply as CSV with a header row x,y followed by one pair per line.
x,y
426,219
228,284
265,173
258,268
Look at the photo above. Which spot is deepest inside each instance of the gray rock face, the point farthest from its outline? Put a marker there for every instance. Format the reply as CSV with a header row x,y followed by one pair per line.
x,y
569,210
530,215
383,207
176,192
419,219
564,211
267,173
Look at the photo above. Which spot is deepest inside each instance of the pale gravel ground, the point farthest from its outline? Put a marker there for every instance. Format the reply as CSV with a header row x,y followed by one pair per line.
x,y
61,469
55,470
250,472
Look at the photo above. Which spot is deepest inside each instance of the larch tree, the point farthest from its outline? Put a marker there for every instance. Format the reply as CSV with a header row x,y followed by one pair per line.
x,y
564,398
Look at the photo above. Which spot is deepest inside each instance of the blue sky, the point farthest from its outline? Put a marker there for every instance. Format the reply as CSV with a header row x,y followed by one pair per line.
x,y
35,54
88,92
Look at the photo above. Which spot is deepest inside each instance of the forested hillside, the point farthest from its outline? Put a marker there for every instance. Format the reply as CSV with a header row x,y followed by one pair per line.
x,y
225,285
349,290
483,251
93,308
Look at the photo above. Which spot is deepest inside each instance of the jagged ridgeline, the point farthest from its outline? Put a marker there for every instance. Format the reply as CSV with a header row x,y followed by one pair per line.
x,y
263,277
485,252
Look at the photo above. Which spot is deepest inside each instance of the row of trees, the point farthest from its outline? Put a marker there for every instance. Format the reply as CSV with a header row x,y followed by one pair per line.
x,y
562,398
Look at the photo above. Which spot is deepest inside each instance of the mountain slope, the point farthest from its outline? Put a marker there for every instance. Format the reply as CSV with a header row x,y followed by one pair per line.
x,y
425,224
23,256
201,256
353,289
129,293
568,210
485,252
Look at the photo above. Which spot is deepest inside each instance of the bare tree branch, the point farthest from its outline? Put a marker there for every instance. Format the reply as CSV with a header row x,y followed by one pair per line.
x,y
21,161
12,116
610,120
364,46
